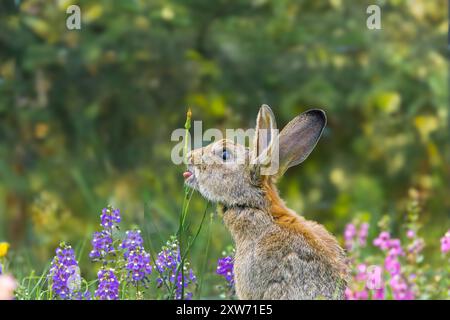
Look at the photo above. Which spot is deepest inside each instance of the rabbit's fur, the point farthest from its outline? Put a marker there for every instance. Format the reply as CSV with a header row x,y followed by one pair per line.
x,y
279,254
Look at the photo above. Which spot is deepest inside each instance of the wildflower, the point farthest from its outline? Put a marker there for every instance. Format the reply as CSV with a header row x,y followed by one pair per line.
x,y
64,274
168,264
110,217
362,234
417,246
356,295
410,234
378,294
225,268
391,262
1,269
7,286
349,295
102,245
395,247
108,285
361,295
137,259
132,240
190,278
361,272
349,234
4,246
392,265
400,288
445,242
138,266
382,241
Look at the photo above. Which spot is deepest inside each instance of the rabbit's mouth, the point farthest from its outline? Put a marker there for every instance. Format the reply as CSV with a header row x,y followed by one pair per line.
x,y
189,177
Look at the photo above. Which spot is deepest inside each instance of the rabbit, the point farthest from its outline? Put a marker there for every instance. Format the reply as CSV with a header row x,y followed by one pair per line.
x,y
279,254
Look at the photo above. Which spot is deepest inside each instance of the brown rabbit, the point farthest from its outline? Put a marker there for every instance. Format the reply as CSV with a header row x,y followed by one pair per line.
x,y
279,254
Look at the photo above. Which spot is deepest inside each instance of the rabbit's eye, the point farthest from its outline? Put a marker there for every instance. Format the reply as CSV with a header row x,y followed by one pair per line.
x,y
226,155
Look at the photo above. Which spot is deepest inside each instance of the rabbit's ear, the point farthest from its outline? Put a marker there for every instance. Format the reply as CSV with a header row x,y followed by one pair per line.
x,y
265,135
299,137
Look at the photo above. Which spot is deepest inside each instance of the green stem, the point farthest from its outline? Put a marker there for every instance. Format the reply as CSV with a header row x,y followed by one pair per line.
x,y
199,290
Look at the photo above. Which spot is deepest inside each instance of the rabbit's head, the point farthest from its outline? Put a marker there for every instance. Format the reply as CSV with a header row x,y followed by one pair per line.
x,y
232,174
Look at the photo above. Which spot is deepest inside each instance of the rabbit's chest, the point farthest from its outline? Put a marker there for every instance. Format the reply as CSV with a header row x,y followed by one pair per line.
x,y
250,275
246,273
249,228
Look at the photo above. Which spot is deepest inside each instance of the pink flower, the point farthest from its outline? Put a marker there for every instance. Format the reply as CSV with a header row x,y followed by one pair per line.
x,y
362,234
417,246
400,289
349,234
349,294
395,247
361,295
382,241
445,242
7,286
378,294
395,252
361,272
392,265
410,234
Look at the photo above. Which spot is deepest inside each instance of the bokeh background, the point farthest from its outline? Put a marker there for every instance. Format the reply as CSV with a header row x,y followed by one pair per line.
x,y
86,115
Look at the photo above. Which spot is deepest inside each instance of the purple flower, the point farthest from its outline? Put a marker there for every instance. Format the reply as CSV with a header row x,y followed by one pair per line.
x,y
168,264
64,274
108,285
102,242
445,242
225,268
137,259
110,217
1,269
192,276
138,266
102,245
132,240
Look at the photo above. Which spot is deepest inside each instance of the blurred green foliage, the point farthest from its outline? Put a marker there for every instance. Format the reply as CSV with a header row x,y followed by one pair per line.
x,y
86,115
